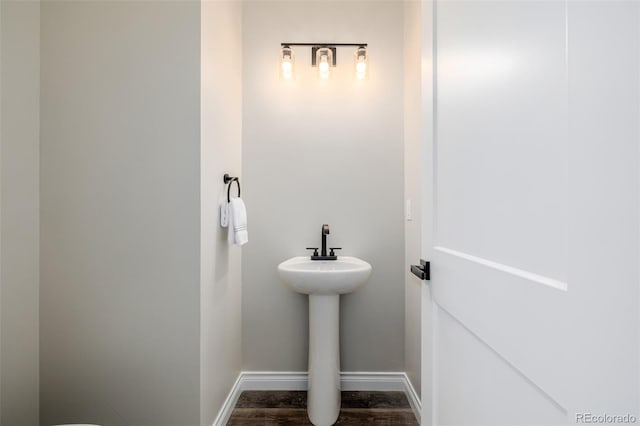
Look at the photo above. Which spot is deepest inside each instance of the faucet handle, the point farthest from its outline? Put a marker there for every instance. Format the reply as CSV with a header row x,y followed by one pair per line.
x,y
331,252
315,250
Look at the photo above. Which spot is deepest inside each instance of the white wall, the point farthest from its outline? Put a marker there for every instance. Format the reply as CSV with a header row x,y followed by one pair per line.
x,y
221,126
323,152
19,140
413,167
120,224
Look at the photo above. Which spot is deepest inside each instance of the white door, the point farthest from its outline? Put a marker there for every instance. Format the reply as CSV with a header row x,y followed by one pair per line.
x,y
535,212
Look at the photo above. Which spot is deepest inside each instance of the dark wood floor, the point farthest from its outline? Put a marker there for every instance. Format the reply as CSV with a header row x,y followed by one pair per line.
x,y
290,408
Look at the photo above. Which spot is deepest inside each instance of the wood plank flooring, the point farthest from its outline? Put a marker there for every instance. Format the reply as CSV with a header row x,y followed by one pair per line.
x,y
290,408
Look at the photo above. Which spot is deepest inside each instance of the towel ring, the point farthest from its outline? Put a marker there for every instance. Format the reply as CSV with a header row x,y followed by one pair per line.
x,y
229,180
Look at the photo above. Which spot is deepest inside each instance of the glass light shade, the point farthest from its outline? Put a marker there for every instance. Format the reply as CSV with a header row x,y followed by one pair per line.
x,y
324,62
361,63
287,62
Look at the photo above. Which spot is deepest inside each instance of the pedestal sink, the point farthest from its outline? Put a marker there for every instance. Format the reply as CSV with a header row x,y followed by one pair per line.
x,y
324,282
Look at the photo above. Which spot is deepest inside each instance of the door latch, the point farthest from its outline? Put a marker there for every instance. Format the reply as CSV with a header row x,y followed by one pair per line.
x,y
423,270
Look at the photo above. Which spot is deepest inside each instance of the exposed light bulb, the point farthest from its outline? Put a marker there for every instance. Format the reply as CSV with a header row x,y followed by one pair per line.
x,y
287,68
286,64
361,69
324,67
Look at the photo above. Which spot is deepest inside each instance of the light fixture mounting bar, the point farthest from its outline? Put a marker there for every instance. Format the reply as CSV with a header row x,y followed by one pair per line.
x,y
324,44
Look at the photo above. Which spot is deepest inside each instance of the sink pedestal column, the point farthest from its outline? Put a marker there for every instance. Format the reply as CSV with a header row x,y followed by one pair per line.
x,y
323,396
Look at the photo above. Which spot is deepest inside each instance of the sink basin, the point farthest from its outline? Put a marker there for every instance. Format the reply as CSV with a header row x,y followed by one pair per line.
x,y
324,276
324,281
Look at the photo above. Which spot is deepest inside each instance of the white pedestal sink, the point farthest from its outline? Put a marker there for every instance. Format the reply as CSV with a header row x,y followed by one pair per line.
x,y
324,281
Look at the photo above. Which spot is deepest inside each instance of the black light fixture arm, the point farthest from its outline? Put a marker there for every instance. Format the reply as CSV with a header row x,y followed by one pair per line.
x,y
323,44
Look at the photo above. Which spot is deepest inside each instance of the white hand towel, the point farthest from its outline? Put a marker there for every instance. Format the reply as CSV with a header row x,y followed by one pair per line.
x,y
237,222
231,236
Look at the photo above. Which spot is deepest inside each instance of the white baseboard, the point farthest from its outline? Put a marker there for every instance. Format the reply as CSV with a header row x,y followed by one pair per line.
x,y
414,399
366,381
297,381
279,380
227,407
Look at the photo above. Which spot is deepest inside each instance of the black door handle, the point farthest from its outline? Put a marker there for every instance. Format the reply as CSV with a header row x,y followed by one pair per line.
x,y
422,271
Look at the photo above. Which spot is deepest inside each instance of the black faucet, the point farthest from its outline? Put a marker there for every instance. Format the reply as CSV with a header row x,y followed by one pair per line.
x,y
325,232
323,253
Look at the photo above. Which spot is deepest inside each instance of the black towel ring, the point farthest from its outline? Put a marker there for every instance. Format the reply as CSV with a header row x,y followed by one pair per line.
x,y
229,180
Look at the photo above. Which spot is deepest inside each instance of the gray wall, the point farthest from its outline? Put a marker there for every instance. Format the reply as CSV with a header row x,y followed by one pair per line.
x,y
323,152
120,188
413,168
19,138
221,352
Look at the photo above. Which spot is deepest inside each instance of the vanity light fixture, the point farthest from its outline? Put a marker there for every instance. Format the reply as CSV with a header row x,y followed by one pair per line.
x,y
323,56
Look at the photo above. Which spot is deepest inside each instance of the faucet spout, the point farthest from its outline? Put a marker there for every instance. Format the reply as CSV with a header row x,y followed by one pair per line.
x,y
325,232
323,253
